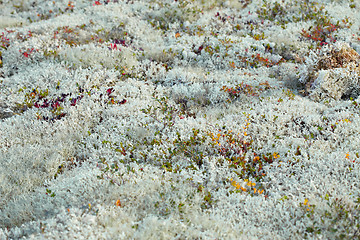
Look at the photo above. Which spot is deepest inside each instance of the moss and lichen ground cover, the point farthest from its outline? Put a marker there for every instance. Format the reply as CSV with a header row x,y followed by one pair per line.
x,y
179,119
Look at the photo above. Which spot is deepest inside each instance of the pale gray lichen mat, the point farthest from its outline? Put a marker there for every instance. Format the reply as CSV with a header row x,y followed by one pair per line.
x,y
181,119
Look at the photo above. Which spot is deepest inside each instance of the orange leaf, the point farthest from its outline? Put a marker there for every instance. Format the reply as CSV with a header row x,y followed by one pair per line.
x,y
118,203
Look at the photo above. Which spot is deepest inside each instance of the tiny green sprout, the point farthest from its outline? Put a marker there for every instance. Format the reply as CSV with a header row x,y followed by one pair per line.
x,y
284,198
48,192
327,197
289,93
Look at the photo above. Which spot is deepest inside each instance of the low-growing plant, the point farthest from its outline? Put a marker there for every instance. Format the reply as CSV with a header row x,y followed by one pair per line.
x,y
40,99
290,94
273,12
338,221
249,90
227,147
168,111
248,186
23,37
256,60
322,32
180,12
27,52
52,13
50,193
